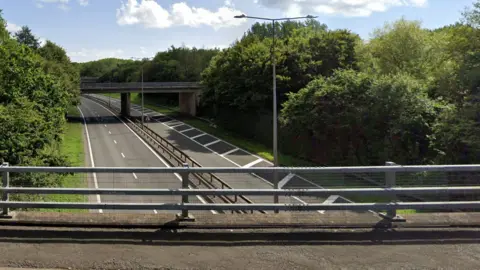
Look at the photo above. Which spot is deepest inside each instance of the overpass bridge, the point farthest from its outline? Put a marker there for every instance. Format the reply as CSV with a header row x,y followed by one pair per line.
x,y
188,92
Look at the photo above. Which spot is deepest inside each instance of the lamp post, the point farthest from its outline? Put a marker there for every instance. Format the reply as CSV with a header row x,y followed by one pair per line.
x,y
275,120
134,58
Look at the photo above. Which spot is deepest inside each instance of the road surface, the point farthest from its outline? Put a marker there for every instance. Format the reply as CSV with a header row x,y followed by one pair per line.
x,y
112,143
210,151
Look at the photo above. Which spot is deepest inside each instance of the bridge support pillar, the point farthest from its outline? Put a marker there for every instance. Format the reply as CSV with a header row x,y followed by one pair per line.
x,y
188,103
125,104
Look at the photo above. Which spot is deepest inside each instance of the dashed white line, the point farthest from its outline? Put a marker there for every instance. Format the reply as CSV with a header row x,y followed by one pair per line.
x,y
229,152
135,176
115,141
153,152
198,136
210,143
95,181
253,163
122,155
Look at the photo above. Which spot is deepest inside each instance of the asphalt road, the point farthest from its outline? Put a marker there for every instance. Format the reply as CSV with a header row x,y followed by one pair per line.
x,y
113,144
209,151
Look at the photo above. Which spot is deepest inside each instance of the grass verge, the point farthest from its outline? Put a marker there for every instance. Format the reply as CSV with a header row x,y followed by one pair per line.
x,y
71,146
239,141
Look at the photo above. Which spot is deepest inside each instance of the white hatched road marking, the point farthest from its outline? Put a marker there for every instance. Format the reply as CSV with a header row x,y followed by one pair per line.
x,y
210,143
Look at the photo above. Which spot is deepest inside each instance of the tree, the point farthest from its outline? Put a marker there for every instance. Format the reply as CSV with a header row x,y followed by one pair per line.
x,y
353,118
52,52
25,37
471,16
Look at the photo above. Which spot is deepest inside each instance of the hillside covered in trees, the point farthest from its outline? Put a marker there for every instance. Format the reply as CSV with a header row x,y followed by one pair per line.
x,y
38,84
408,94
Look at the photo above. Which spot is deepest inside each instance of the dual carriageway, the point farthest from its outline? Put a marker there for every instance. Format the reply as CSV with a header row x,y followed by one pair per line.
x,y
114,141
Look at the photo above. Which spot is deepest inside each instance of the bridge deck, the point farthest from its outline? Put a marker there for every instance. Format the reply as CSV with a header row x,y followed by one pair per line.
x,y
148,87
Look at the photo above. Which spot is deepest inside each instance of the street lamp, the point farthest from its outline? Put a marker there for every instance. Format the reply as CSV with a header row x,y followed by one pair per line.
x,y
275,149
135,58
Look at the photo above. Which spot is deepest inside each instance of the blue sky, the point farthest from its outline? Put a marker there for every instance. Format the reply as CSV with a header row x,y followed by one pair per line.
x,y
93,29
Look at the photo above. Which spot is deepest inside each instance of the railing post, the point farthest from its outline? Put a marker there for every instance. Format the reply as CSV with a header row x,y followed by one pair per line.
x,y
390,182
185,216
5,184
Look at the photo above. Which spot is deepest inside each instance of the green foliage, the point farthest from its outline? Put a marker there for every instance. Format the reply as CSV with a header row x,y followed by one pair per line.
x,y
237,77
35,93
26,37
357,119
100,67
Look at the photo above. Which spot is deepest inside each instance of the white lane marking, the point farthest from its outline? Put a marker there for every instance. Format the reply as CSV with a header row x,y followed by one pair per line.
x,y
210,143
229,152
231,161
122,155
105,125
109,132
285,180
155,211
177,125
135,176
198,136
153,152
253,163
115,141
95,182
187,130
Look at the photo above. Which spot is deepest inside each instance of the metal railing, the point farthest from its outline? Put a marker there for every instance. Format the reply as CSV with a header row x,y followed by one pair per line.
x,y
391,190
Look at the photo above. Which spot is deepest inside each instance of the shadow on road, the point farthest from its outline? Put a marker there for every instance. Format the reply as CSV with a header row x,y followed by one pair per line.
x,y
240,238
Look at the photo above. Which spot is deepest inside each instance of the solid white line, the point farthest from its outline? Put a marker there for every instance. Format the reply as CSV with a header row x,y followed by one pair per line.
x,y
285,180
115,141
109,132
198,136
95,182
135,176
214,142
224,154
253,163
229,152
151,150
187,130
181,124
122,155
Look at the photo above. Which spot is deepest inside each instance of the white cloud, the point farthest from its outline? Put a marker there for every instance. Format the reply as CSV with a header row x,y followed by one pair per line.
x,y
344,7
12,28
85,55
61,4
83,2
151,15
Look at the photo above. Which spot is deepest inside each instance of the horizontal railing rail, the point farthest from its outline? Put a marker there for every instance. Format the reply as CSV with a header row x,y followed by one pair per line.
x,y
365,169
250,192
249,207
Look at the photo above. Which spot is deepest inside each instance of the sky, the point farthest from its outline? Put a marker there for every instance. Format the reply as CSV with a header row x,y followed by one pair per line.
x,y
95,29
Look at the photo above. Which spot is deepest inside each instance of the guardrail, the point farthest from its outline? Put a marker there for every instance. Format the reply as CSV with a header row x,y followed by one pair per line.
x,y
390,192
178,158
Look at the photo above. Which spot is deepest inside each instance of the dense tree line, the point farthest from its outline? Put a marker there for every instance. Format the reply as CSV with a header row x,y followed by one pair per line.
x,y
37,86
408,94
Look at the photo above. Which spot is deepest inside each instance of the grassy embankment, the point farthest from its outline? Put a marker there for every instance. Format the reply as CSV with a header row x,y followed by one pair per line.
x,y
72,146
251,146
